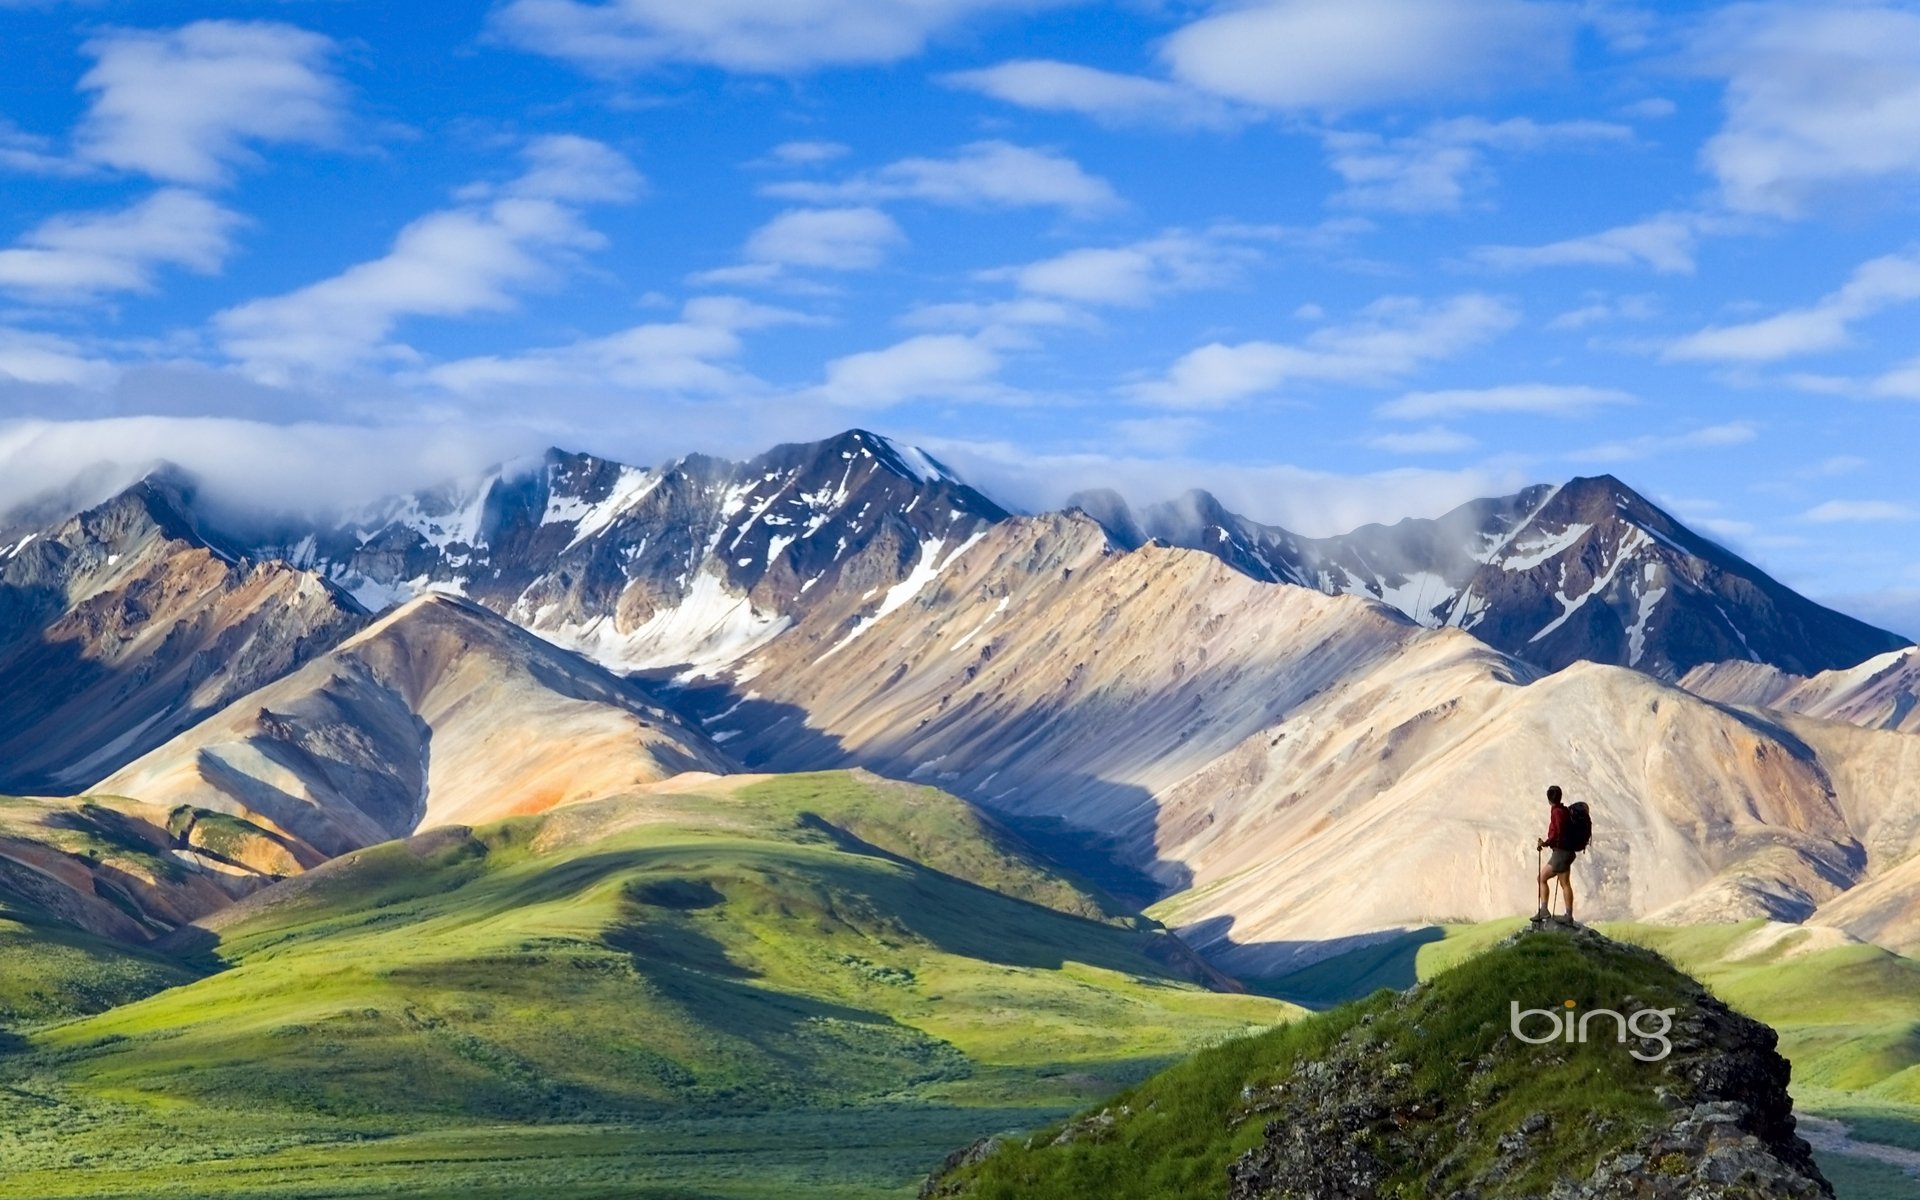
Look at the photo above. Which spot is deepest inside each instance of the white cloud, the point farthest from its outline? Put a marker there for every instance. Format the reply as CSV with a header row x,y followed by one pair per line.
x,y
275,468
946,366
741,35
1136,274
837,239
1733,433
1435,439
1820,99
991,174
691,356
45,359
1537,399
1024,312
1663,243
78,257
1391,339
1626,308
1653,108
451,263
1106,96
31,154
1347,54
1836,511
808,153
1309,501
1873,287
1901,383
1435,169
579,170
188,104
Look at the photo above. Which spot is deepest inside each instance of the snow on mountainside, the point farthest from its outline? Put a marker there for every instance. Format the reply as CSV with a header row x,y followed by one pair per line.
x,y
689,565
1588,571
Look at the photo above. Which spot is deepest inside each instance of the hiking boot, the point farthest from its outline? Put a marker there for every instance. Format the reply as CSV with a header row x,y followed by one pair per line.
x,y
1542,916
1567,921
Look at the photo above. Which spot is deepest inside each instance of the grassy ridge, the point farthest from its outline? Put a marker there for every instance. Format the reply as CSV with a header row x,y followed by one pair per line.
x,y
779,961
1172,1137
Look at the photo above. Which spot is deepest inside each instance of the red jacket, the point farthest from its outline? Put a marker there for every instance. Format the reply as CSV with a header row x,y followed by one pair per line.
x,y
1556,822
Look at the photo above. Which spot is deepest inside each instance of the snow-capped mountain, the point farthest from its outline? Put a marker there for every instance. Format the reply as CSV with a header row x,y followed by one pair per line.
x,y
691,564
1585,571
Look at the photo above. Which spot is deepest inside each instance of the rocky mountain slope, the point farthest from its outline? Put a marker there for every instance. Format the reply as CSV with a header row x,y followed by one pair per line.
x,y
687,565
1427,1093
1295,769
127,623
1881,693
438,713
1251,749
1587,571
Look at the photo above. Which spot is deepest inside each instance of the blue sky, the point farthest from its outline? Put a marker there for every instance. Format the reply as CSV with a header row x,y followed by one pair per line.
x,y
1336,260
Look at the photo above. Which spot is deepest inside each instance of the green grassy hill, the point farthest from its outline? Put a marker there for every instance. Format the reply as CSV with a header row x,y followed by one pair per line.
x,y
722,993
1848,1015
1405,1095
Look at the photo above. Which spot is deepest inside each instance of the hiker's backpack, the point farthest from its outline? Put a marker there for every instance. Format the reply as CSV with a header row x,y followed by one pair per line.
x,y
1579,830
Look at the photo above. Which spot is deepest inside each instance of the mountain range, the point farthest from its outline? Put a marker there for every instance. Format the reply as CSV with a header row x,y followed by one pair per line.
x,y
1214,715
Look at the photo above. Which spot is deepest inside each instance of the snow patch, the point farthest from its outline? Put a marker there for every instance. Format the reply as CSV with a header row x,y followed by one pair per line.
x,y
710,629
1533,554
924,572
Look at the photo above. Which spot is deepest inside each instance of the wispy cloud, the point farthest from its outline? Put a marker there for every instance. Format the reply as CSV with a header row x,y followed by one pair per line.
x,y
1820,98
1438,168
1390,339
455,262
1664,244
1435,439
1349,54
946,366
694,356
1536,399
1837,511
740,35
189,104
1873,287
1732,433
49,360
1139,272
990,174
1108,97
79,257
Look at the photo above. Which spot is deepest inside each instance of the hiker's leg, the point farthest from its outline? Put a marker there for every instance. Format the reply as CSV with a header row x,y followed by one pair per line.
x,y
1546,874
1566,883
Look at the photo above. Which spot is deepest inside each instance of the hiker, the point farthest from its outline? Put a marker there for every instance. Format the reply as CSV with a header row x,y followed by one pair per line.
x,y
1569,829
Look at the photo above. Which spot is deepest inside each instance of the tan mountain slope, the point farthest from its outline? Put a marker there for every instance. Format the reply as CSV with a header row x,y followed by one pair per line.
x,y
121,626
1409,798
1299,768
440,712
1046,672
128,871
1880,693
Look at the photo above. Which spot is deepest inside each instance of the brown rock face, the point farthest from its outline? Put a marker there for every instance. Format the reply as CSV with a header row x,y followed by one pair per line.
x,y
122,627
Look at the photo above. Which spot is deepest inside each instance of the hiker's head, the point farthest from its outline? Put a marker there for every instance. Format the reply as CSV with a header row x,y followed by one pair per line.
x,y
1553,794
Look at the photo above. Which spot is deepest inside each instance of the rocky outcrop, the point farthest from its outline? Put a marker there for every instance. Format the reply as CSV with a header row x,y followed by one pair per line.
x,y
1348,1124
